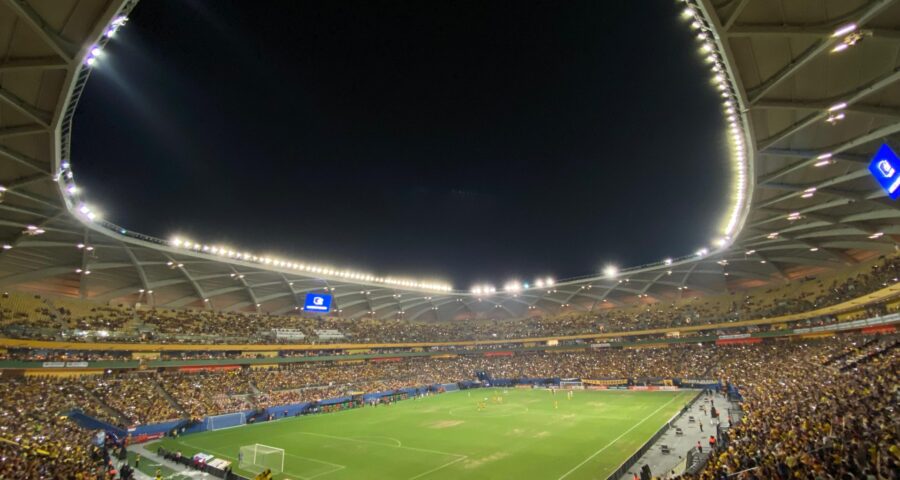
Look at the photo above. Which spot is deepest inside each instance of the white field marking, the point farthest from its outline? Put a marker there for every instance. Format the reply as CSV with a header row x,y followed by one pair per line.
x,y
350,439
463,412
576,467
451,462
674,416
337,466
398,442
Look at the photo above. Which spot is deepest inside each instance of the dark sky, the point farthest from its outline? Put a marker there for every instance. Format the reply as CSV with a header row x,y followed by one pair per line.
x,y
469,141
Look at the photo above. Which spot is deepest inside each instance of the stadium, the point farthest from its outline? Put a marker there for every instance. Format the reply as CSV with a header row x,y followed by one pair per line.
x,y
770,353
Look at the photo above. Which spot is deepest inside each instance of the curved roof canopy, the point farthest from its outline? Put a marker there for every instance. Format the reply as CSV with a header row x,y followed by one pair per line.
x,y
810,90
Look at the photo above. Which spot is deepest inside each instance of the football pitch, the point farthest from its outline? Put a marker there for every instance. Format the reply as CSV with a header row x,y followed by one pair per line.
x,y
530,434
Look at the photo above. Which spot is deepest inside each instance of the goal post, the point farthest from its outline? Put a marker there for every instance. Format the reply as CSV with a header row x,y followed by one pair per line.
x,y
228,420
571,384
258,457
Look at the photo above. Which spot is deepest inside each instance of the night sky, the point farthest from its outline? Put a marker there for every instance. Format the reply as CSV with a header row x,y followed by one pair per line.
x,y
466,141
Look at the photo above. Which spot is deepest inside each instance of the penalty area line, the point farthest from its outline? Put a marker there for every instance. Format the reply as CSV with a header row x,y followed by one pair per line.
x,y
451,462
626,432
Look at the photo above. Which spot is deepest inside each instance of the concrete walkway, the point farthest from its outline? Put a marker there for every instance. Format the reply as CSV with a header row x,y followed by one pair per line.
x,y
151,458
662,463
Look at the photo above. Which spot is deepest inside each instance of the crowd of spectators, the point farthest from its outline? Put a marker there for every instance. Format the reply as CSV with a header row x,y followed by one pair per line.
x,y
202,394
36,441
37,317
136,399
813,409
804,420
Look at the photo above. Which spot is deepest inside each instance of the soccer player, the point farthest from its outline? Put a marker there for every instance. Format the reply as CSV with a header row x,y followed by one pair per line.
x,y
556,404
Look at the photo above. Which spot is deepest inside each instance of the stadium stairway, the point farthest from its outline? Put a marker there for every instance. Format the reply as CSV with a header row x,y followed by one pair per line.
x,y
843,355
112,412
154,461
134,325
169,398
867,357
254,390
662,461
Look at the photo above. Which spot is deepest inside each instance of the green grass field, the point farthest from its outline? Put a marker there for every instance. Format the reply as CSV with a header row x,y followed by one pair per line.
x,y
446,436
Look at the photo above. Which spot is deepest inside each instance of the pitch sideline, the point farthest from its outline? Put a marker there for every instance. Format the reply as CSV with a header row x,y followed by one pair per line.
x,y
576,467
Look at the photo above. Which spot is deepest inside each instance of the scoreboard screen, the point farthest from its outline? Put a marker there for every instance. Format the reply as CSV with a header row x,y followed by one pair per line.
x,y
885,167
317,302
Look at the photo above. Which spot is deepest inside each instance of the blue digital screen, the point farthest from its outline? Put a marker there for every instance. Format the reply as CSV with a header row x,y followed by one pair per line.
x,y
317,302
885,167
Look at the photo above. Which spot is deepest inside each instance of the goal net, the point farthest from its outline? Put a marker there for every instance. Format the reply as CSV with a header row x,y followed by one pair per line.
x,y
227,420
258,457
571,383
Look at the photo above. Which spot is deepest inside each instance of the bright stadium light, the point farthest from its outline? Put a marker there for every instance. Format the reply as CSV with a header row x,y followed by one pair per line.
x,y
723,83
286,264
610,271
513,286
844,30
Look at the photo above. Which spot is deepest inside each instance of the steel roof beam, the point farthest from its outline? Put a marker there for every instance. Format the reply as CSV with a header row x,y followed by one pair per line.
x,y
849,98
826,188
120,292
816,31
23,160
732,18
869,137
438,304
33,275
784,152
38,116
187,276
64,48
866,13
818,105
22,130
835,253
246,285
32,63
290,286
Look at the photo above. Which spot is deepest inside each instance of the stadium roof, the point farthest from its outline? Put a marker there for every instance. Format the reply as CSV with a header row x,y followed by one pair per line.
x,y
809,92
